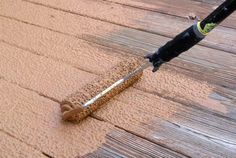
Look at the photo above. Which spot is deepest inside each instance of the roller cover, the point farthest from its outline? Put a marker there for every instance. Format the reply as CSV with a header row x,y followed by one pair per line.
x,y
72,107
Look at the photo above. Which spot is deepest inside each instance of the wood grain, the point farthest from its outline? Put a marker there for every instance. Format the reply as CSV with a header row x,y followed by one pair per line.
x,y
182,131
144,20
181,8
34,129
122,144
62,49
52,40
137,41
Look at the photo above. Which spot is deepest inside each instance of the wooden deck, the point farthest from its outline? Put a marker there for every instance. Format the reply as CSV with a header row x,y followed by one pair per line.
x,y
51,48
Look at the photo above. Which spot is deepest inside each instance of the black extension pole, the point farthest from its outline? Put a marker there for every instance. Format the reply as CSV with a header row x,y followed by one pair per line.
x,y
190,37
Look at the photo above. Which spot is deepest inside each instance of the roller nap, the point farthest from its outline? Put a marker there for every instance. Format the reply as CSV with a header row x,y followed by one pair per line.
x,y
73,106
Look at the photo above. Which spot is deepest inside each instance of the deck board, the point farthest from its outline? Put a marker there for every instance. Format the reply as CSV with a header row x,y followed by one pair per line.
x,y
35,120
210,59
123,144
153,22
8,148
128,38
201,60
181,8
189,136
44,46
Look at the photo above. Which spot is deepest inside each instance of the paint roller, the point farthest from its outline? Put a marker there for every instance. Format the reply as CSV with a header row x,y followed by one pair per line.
x,y
92,96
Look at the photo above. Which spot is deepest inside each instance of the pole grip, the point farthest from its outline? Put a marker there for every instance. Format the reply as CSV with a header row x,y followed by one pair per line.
x,y
181,43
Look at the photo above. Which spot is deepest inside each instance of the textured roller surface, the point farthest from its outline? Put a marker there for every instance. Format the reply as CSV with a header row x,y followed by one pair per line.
x,y
72,107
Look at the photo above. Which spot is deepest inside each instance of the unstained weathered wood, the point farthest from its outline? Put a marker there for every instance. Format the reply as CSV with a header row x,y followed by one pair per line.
x,y
198,9
122,144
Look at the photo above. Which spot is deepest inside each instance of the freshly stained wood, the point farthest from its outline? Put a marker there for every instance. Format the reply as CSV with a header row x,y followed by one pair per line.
x,y
57,46
42,129
141,19
35,120
180,140
137,41
216,74
50,49
62,48
200,59
35,72
11,147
